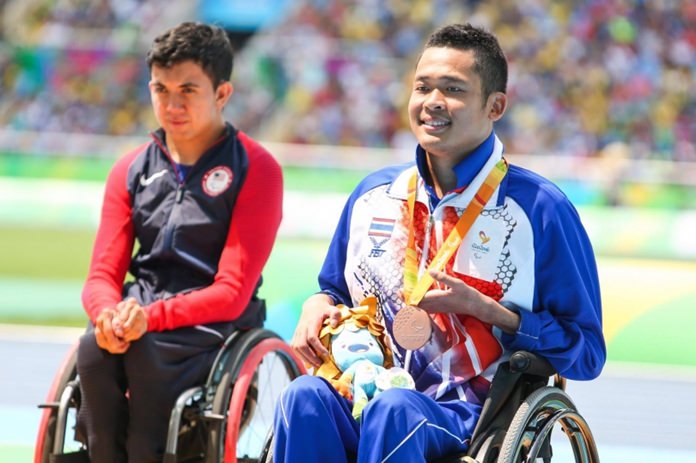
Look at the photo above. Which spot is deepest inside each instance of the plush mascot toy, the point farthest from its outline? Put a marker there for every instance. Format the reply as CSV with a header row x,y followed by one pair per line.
x,y
361,364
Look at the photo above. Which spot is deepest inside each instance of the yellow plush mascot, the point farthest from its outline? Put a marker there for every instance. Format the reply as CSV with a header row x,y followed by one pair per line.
x,y
361,361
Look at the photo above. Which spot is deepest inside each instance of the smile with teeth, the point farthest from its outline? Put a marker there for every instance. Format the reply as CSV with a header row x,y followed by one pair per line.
x,y
436,124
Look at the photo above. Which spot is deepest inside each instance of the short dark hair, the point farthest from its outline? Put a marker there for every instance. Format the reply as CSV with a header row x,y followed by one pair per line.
x,y
207,45
491,63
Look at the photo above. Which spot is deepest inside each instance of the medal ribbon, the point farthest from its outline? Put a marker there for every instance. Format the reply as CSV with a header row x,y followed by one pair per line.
x,y
414,288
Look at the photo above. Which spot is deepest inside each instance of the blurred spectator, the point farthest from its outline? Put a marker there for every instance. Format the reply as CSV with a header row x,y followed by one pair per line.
x,y
584,74
76,66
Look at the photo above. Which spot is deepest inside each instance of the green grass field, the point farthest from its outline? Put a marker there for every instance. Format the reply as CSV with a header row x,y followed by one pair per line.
x,y
647,303
42,271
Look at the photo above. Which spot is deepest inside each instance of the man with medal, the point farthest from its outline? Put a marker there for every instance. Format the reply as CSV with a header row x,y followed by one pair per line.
x,y
476,258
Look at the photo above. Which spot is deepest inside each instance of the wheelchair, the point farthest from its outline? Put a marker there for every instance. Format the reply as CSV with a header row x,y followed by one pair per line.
x,y
520,412
224,420
517,418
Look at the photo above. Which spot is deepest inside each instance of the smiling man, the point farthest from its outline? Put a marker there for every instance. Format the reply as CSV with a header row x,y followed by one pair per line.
x,y
203,202
468,257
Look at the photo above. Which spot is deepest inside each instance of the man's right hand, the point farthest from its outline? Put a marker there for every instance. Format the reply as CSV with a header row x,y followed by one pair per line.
x,y
105,335
305,341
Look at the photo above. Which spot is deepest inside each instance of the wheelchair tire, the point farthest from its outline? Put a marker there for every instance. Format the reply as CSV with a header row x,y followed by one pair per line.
x,y
263,365
45,439
534,421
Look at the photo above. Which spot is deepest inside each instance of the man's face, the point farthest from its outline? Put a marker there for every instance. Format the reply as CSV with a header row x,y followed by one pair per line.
x,y
447,112
185,103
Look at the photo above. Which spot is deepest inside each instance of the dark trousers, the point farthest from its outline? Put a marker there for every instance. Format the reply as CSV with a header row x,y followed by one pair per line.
x,y
127,398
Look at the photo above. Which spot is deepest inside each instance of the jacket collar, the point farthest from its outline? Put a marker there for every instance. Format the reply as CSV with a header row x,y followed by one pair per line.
x,y
461,197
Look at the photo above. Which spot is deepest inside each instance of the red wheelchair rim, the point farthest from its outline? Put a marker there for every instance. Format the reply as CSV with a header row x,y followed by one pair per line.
x,y
246,373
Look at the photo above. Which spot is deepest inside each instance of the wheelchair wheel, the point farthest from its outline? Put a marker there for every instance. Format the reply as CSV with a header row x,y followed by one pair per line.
x,y
488,452
528,437
59,412
261,369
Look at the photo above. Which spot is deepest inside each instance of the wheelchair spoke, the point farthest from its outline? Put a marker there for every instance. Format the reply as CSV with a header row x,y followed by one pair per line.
x,y
270,379
260,368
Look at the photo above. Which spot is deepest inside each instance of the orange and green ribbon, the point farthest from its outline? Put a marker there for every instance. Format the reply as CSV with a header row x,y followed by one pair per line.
x,y
415,288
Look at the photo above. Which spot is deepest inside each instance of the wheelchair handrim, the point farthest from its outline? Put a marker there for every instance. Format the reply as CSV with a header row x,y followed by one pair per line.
x,y
241,388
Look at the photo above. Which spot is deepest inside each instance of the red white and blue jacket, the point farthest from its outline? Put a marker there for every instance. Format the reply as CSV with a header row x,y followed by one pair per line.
x,y
202,240
527,247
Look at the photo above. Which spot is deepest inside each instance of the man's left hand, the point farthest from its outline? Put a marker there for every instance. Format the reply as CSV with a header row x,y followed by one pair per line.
x,y
133,319
460,298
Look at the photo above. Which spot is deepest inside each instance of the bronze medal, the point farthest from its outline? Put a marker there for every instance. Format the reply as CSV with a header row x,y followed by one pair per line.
x,y
412,328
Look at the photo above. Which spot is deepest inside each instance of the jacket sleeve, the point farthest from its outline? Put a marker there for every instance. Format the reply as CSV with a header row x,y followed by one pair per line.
x,y
252,232
113,244
332,280
565,325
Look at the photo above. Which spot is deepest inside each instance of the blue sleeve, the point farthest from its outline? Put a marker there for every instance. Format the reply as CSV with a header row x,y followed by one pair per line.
x,y
565,325
332,279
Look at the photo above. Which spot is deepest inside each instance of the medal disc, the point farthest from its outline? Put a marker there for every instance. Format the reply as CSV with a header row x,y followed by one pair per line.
x,y
412,327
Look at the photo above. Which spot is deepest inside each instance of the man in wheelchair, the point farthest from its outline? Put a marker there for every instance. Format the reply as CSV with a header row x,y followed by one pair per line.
x,y
203,202
469,258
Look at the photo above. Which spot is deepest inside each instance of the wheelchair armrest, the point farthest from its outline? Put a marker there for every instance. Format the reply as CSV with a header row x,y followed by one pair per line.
x,y
532,364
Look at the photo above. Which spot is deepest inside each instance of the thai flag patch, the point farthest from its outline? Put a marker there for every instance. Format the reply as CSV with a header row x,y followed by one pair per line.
x,y
381,228
379,233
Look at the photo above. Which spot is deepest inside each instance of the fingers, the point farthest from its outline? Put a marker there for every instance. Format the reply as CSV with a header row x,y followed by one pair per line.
x,y
334,317
123,309
442,277
131,317
105,335
452,298
433,300
136,324
306,342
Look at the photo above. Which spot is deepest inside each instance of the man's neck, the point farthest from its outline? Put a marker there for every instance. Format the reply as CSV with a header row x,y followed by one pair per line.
x,y
442,174
187,152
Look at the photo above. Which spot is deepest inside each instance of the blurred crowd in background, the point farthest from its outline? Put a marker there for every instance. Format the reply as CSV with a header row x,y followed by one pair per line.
x,y
585,75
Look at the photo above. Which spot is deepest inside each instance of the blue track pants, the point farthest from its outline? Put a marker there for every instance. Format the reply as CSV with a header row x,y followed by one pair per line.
x,y
313,423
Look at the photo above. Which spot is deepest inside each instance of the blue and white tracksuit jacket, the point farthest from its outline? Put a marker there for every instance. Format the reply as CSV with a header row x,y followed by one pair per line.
x,y
527,247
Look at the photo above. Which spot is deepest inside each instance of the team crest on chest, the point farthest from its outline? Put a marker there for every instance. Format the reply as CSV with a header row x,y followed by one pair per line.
x,y
217,180
379,233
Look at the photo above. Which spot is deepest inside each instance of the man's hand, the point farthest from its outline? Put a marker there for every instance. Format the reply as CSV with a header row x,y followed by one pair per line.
x,y
460,298
305,341
131,323
105,334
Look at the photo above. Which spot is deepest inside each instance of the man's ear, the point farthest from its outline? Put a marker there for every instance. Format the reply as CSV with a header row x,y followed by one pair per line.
x,y
498,105
223,92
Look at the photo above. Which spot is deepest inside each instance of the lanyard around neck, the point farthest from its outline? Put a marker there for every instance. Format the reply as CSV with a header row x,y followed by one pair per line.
x,y
414,288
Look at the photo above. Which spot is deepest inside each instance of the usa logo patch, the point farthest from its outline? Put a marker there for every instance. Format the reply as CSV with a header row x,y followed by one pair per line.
x,y
217,180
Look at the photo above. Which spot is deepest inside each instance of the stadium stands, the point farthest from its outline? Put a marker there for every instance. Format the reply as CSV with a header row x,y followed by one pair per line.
x,y
585,76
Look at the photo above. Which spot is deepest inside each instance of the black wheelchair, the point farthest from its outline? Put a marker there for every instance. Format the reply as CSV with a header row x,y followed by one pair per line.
x,y
227,419
520,412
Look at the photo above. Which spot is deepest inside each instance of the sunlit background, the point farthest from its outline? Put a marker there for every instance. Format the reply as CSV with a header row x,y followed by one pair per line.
x,y
602,101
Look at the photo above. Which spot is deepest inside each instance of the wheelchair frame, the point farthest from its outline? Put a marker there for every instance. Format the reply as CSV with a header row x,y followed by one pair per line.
x,y
520,412
217,417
